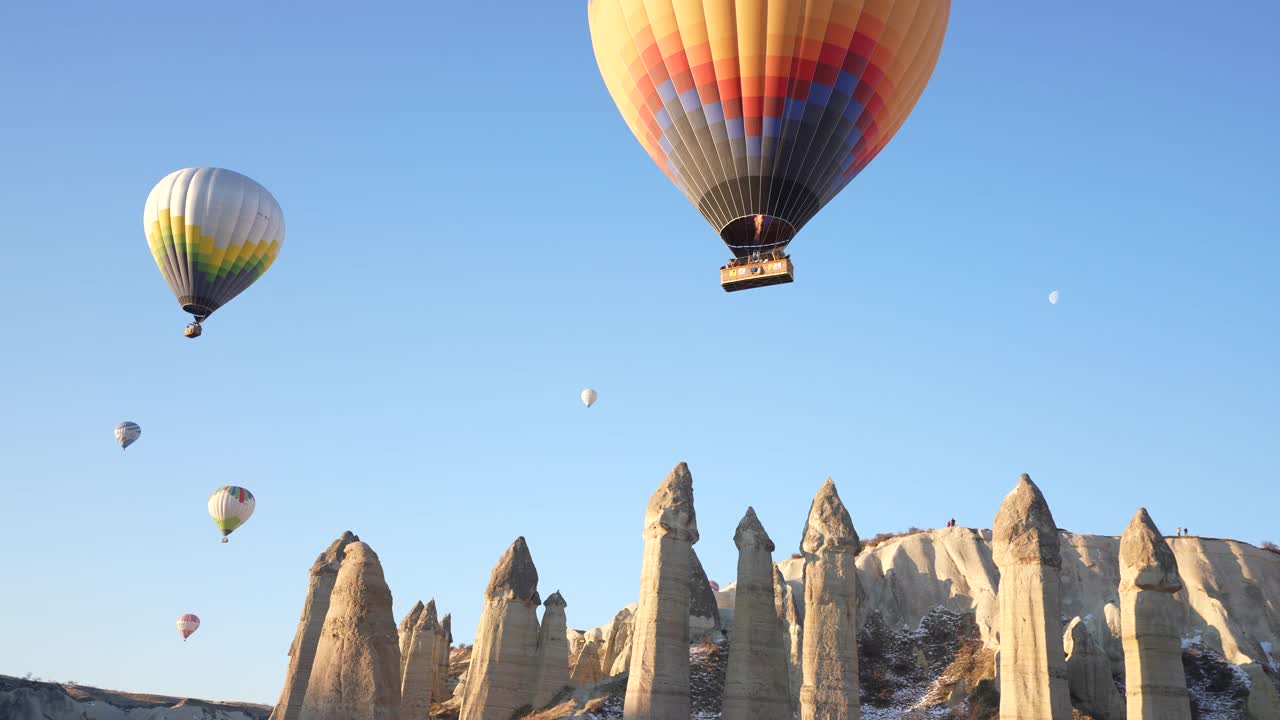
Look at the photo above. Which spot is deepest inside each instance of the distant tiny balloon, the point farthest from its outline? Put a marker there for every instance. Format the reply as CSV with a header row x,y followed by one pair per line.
x,y
127,433
589,397
1053,298
188,624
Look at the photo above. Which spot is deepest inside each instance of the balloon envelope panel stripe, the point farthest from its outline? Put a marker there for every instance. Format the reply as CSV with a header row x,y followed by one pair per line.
x,y
760,109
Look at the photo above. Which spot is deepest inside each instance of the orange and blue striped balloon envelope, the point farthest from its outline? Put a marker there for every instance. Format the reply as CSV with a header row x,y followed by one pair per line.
x,y
760,111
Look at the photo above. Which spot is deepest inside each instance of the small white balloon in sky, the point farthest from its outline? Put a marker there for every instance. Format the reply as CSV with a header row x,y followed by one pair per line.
x,y
1053,298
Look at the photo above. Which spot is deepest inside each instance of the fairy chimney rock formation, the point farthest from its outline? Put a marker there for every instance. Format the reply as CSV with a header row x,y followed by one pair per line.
x,y
1033,672
829,663
658,683
405,632
356,675
552,664
1151,624
500,679
704,612
756,686
419,665
1089,674
302,652
788,609
440,678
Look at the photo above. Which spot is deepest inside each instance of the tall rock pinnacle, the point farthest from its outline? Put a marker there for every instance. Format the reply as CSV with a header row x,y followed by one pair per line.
x,y
829,664
419,663
356,675
1034,681
756,684
1151,623
302,652
405,631
444,641
551,671
658,684
500,680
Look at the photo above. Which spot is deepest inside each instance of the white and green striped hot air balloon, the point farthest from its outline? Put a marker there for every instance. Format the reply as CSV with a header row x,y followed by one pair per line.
x,y
230,507
212,232
127,433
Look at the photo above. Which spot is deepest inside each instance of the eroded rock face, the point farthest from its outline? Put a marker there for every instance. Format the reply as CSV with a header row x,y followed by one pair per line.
x,y
829,665
1264,699
356,674
405,631
1032,670
756,683
704,612
444,642
658,683
1151,623
551,671
1093,691
302,652
420,664
788,609
500,679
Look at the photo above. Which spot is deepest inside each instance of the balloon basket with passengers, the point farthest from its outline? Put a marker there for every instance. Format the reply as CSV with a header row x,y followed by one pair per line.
x,y
760,142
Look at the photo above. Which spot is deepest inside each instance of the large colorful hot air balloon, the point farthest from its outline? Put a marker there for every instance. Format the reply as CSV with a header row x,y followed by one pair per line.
x,y
760,111
127,433
230,507
212,232
188,624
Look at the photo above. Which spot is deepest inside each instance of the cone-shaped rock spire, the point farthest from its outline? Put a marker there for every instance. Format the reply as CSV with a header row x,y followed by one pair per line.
x,y
756,685
1033,673
829,665
500,681
356,675
658,683
302,652
419,663
552,663
1151,624
444,641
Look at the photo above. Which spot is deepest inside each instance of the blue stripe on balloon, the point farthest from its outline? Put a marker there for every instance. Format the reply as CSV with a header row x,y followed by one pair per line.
x,y
667,91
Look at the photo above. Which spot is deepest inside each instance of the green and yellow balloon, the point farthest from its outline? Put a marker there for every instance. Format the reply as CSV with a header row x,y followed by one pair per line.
x,y
230,507
212,232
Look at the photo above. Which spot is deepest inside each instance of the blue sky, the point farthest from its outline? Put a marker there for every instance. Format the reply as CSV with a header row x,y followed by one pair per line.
x,y
463,203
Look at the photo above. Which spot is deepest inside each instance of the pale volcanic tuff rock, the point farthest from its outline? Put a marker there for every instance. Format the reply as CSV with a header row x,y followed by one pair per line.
x,y
829,665
756,683
1032,669
356,674
444,642
302,652
405,631
551,666
586,661
787,603
658,682
1152,624
615,653
1093,691
704,612
419,664
1264,698
499,680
